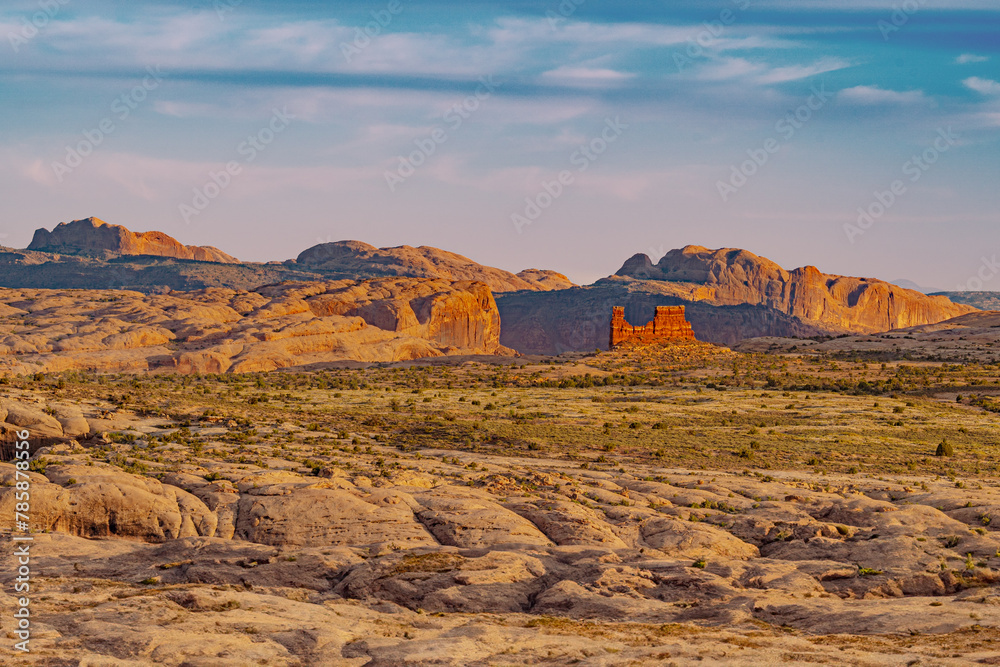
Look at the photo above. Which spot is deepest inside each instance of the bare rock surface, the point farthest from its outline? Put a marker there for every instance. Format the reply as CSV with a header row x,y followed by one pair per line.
x,y
507,561
219,331
94,236
735,276
730,296
354,258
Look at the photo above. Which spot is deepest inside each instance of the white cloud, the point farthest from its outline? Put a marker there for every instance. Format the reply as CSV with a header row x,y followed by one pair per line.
x,y
873,95
796,72
728,68
587,75
970,58
759,73
983,86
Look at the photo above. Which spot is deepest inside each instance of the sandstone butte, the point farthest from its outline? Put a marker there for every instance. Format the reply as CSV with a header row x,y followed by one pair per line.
x,y
731,276
228,331
669,324
94,236
357,259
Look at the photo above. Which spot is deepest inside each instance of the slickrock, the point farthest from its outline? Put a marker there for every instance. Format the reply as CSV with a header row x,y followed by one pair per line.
x,y
320,570
734,276
281,515
15,416
219,331
357,259
94,236
188,537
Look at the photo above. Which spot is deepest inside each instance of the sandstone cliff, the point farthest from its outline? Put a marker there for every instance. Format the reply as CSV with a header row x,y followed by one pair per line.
x,y
731,276
578,319
357,259
223,330
91,236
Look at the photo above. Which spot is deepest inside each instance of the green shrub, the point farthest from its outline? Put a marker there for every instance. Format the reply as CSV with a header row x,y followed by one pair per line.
x,y
945,449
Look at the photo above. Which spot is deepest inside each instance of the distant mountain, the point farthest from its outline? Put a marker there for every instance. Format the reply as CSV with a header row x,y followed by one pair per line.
x,y
357,259
95,237
140,273
980,300
732,276
909,284
730,295
93,254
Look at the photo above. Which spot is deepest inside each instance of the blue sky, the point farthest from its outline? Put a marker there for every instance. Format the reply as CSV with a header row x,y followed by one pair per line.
x,y
264,128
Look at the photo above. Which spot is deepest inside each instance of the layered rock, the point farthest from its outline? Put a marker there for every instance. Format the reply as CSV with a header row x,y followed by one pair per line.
x,y
92,236
218,330
669,324
729,295
838,303
579,318
357,259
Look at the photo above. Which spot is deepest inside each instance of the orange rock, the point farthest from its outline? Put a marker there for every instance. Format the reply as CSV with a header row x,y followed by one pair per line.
x,y
354,258
668,324
91,235
734,277
220,331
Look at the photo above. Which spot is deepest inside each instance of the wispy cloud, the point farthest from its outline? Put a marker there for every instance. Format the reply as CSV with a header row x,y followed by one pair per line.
x,y
966,58
587,74
796,72
873,95
983,86
763,74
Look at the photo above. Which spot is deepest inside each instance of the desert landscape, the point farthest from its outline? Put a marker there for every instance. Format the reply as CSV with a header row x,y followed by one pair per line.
x,y
371,472
392,333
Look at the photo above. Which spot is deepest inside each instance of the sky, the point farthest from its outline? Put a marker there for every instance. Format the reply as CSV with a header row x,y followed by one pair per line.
x,y
859,136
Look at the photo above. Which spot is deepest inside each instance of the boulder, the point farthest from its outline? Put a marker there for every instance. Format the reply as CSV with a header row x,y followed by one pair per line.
x,y
320,517
36,421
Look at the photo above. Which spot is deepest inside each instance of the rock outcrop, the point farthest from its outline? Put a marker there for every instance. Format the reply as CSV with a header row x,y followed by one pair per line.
x,y
668,324
729,295
338,571
92,236
219,331
92,254
578,319
838,303
361,260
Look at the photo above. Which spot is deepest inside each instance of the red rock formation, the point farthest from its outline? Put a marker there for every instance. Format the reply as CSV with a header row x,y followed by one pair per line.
x,y
669,323
96,236
730,276
360,260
